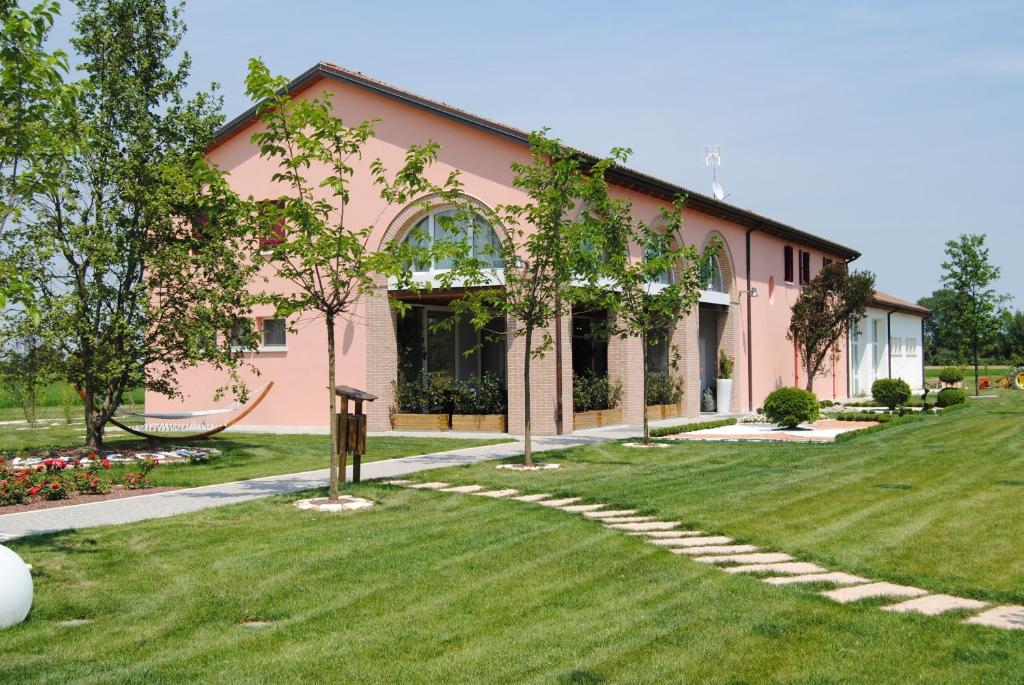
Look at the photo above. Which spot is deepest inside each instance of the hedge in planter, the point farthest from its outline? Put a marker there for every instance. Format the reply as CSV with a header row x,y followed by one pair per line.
x,y
789,407
950,396
951,375
593,393
662,388
891,392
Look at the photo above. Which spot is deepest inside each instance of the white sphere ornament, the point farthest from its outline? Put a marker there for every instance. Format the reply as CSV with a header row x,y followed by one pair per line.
x,y
15,588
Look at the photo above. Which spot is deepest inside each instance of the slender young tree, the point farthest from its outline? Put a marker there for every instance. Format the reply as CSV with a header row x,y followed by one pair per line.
x,y
823,312
654,277
31,86
545,247
306,238
973,308
128,235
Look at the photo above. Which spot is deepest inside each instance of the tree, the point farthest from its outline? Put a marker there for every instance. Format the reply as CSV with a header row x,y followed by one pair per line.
x,y
940,340
30,87
973,310
129,236
651,278
825,308
27,367
1010,343
548,241
305,238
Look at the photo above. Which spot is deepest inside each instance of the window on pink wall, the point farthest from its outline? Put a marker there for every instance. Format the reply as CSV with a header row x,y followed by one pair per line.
x,y
805,266
787,257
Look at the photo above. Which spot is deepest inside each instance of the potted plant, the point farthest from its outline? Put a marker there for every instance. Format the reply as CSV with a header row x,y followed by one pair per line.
x,y
595,401
664,394
724,382
423,403
479,404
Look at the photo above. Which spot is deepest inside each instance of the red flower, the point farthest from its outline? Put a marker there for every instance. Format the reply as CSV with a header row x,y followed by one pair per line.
x,y
34,490
55,485
105,464
3,483
40,468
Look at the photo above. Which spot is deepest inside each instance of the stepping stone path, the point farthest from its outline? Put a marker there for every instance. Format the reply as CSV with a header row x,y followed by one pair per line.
x,y
778,568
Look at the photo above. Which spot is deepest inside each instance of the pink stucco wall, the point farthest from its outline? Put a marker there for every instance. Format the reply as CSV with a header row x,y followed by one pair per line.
x,y
483,159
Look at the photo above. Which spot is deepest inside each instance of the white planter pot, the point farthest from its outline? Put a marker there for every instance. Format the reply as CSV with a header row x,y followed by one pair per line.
x,y
724,395
15,588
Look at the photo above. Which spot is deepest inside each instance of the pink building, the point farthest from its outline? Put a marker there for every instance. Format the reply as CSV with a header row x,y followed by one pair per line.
x,y
760,254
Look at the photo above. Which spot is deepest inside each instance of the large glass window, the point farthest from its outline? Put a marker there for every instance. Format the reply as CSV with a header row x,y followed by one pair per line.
x,y
663,277
711,275
445,226
274,333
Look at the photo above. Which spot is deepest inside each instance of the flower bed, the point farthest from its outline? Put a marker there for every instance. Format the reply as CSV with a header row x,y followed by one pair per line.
x,y
50,476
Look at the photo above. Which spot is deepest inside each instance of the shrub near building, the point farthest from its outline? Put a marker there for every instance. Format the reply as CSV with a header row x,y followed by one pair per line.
x,y
891,392
950,396
789,407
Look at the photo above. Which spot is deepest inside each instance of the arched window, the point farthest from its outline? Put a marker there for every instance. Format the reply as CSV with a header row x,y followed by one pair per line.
x,y
446,226
711,275
665,277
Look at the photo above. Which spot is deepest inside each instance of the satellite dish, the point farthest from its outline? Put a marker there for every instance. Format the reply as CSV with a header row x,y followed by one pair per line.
x,y
716,187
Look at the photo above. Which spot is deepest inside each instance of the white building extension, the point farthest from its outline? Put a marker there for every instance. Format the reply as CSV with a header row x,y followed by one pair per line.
x,y
887,343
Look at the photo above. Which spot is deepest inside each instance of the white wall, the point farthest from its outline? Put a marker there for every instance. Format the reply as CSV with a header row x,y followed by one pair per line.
x,y
869,350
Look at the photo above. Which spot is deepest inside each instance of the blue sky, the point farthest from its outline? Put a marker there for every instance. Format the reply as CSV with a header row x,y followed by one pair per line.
x,y
890,127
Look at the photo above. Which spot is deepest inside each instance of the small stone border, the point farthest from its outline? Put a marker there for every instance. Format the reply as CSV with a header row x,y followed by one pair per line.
x,y
775,568
642,446
533,467
345,503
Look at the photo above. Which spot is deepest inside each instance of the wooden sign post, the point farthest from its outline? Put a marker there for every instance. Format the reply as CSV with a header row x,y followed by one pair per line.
x,y
351,428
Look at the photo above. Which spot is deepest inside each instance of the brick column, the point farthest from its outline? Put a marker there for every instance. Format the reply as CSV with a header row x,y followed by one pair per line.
x,y
684,342
625,366
381,357
542,381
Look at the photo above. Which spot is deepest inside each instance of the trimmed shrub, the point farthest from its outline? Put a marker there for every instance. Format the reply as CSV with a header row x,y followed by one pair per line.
x,y
951,374
825,404
892,392
662,388
690,427
482,395
591,393
790,407
950,396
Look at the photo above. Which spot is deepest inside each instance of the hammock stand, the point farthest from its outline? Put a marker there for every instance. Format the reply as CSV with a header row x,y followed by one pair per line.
x,y
202,434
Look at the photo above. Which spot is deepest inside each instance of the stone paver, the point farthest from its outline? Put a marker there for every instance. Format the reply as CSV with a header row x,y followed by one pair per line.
x,y
855,593
720,549
835,578
691,541
430,485
667,533
646,525
788,567
582,508
1009,617
465,489
606,514
933,605
627,519
532,498
400,481
559,502
752,558
507,492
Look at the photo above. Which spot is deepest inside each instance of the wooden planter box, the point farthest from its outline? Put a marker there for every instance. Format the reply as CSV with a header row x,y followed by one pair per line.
x,y
420,422
479,422
596,419
663,411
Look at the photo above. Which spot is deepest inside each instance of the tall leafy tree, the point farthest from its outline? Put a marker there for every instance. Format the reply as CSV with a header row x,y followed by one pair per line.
x,y
647,276
307,238
973,310
942,345
31,85
129,236
827,305
547,244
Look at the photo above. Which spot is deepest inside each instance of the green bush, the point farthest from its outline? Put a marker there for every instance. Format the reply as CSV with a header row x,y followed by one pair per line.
x,y
591,393
950,396
825,404
790,407
725,364
891,392
662,388
438,393
483,395
951,374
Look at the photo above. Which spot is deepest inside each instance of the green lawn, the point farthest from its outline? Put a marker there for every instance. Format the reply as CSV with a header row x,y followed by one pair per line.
x,y
434,587
243,455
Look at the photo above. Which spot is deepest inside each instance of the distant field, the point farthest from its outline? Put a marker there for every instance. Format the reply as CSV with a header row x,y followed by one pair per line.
x,y
51,404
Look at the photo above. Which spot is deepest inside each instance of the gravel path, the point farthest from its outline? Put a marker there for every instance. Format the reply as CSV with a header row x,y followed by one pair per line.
x,y
183,501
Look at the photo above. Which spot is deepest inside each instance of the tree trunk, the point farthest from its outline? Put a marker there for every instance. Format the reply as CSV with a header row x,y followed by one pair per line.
x,y
643,376
977,387
527,444
93,429
333,408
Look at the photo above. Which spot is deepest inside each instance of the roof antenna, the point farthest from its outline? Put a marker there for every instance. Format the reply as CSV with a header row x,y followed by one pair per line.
x,y
713,159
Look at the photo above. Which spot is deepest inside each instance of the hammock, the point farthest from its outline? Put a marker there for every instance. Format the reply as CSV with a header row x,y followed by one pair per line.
x,y
198,430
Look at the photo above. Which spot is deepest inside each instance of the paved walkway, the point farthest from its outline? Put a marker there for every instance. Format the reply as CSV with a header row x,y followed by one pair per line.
x,y
163,504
